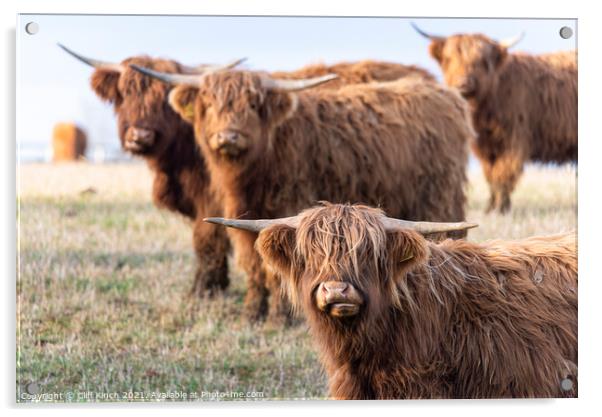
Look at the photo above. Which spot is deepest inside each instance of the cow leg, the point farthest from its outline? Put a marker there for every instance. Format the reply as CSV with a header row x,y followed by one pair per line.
x,y
505,173
211,247
487,167
280,313
495,198
256,299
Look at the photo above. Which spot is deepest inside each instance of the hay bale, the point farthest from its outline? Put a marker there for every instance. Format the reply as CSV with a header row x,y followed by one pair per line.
x,y
68,142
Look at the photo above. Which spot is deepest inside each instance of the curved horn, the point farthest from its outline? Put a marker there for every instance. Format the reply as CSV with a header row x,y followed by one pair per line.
x,y
253,225
296,85
184,79
205,68
509,43
425,227
389,223
93,62
426,35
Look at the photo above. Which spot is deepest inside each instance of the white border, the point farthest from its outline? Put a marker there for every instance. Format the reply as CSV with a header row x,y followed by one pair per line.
x,y
590,348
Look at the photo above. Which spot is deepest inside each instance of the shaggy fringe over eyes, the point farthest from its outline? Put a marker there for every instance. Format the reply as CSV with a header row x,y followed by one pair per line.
x,y
346,233
344,243
232,91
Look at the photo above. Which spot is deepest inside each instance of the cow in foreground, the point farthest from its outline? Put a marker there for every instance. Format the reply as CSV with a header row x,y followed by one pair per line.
x,y
396,316
149,128
524,106
274,149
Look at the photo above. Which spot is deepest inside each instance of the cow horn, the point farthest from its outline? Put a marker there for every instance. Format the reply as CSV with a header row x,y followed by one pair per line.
x,y
425,228
188,78
185,79
426,35
388,222
204,68
253,225
93,62
509,43
296,85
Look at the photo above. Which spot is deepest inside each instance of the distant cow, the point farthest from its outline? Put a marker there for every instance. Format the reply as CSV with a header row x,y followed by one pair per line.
x,y
68,142
524,106
396,316
273,149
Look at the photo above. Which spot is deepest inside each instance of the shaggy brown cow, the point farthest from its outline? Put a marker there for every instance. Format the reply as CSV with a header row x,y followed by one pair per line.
x,y
273,150
524,106
397,316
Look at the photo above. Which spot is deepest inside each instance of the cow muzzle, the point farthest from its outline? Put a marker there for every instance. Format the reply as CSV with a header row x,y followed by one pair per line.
x,y
229,143
139,139
338,299
467,87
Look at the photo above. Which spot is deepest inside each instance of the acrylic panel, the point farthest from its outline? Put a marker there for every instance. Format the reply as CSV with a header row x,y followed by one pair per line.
x,y
252,208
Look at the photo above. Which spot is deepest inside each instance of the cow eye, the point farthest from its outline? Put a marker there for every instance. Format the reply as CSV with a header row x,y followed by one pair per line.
x,y
488,65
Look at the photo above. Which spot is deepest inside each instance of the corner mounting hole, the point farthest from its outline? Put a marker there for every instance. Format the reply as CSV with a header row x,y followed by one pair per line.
x,y
566,384
566,32
32,28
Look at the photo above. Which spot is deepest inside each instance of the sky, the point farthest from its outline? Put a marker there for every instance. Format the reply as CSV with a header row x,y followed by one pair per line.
x,y
54,87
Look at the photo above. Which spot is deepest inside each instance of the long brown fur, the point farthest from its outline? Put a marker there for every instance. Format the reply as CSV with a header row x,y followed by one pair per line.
x,y
524,106
400,145
440,320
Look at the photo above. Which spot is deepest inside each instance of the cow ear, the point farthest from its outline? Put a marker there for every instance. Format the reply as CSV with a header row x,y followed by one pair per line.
x,y
436,49
104,82
405,250
276,245
277,107
182,99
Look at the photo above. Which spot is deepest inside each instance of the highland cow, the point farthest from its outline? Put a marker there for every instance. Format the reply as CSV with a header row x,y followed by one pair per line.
x,y
273,149
396,316
524,106
149,128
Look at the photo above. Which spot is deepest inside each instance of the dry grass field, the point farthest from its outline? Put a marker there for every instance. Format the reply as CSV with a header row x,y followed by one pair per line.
x,y
103,274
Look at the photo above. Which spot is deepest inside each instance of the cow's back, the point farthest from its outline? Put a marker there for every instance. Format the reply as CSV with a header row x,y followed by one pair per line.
x,y
397,145
510,299
357,72
546,277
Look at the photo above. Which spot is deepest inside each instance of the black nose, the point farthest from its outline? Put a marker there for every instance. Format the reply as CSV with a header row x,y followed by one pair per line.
x,y
227,137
